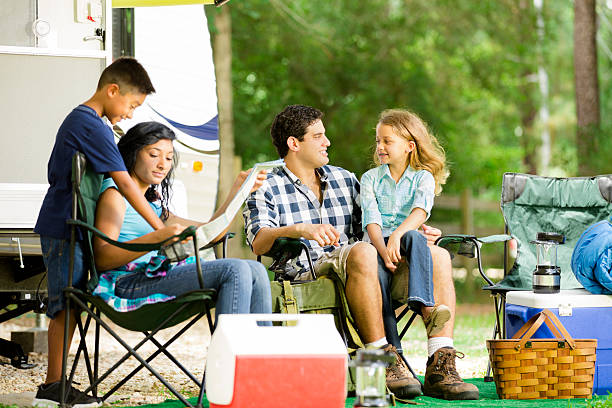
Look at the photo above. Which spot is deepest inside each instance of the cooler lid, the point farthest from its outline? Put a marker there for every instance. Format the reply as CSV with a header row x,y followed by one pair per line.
x,y
569,297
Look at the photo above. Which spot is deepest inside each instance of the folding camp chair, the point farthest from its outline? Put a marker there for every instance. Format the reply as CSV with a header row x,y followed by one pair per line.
x,y
148,319
320,295
532,204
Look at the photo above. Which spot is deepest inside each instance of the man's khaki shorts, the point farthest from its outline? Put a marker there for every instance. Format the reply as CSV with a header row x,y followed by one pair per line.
x,y
336,260
331,262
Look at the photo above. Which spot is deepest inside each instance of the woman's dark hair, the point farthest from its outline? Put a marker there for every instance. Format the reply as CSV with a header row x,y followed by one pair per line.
x,y
142,135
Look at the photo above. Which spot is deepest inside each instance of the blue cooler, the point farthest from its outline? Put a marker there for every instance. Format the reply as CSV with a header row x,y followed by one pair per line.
x,y
584,315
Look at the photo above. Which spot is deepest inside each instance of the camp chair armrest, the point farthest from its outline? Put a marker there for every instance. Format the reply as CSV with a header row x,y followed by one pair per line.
x,y
284,249
445,240
223,240
186,233
469,246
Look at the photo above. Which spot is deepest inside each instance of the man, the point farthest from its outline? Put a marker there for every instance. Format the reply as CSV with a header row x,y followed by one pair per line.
x,y
309,199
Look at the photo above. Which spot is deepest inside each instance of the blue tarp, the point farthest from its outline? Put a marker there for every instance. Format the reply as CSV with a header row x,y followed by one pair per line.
x,y
592,258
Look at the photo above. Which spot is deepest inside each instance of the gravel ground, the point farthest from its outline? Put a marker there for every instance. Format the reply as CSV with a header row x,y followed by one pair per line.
x,y
190,349
143,388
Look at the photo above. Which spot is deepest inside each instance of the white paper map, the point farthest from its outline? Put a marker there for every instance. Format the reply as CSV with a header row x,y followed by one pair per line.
x,y
209,231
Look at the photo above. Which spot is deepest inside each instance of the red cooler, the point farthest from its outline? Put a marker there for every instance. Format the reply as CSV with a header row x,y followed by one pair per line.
x,y
299,365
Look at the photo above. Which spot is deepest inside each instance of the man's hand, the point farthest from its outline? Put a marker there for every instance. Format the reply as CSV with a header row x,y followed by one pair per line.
x,y
323,234
431,233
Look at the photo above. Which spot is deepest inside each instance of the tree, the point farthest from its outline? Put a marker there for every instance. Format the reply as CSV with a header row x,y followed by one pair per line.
x,y
586,82
221,33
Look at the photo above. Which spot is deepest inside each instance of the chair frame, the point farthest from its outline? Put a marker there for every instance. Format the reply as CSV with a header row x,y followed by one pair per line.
x,y
82,303
284,249
499,293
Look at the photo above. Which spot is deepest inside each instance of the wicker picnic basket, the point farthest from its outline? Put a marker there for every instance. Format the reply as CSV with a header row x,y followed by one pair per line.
x,y
526,368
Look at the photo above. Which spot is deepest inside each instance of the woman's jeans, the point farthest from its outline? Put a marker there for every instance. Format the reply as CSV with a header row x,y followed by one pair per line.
x,y
242,285
414,248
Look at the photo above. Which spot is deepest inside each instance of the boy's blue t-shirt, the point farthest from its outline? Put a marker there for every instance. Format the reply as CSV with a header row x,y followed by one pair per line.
x,y
84,131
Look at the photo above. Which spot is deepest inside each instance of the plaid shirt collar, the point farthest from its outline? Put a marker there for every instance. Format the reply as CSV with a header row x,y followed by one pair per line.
x,y
323,177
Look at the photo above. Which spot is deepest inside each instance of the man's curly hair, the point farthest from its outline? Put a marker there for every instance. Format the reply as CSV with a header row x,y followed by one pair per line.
x,y
292,121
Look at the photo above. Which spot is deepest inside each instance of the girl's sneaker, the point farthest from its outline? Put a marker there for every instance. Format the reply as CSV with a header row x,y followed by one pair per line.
x,y
48,396
438,317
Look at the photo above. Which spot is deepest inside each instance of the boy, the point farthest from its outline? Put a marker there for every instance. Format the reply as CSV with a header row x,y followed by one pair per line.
x,y
123,86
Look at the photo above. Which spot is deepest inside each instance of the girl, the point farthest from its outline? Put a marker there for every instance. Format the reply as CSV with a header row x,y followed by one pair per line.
x,y
396,199
133,279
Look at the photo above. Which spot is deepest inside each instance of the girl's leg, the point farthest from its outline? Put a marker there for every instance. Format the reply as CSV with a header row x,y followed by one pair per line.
x,y
388,312
418,256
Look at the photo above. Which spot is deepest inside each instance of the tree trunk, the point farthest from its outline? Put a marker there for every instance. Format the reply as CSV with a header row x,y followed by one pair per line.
x,y
528,109
222,57
586,82
545,142
528,112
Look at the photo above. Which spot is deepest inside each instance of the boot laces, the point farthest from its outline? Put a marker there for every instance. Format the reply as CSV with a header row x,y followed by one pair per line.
x,y
446,364
397,370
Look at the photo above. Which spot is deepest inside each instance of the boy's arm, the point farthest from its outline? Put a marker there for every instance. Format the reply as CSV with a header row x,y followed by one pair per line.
x,y
127,187
375,234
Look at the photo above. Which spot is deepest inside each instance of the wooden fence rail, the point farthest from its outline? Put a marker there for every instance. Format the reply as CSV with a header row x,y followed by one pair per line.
x,y
467,205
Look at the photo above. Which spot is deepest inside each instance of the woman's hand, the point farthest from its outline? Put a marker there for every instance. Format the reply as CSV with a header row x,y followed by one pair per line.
x,y
393,248
242,176
171,230
261,177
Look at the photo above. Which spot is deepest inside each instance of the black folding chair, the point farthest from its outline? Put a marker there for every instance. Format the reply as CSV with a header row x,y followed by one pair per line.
x,y
148,319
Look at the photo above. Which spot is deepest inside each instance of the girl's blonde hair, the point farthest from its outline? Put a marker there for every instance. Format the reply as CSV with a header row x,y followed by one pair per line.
x,y
428,154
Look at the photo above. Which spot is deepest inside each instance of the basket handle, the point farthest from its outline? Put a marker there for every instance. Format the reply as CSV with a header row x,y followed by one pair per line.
x,y
533,324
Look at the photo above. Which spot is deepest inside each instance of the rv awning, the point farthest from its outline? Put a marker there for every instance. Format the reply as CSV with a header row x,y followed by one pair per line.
x,y
147,3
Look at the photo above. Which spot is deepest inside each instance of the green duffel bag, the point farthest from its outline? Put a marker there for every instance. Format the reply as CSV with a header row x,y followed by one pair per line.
x,y
322,295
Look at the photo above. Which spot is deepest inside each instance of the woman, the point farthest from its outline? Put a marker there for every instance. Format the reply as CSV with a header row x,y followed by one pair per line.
x,y
133,279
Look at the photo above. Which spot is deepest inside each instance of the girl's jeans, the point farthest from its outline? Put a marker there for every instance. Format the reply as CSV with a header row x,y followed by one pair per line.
x,y
420,287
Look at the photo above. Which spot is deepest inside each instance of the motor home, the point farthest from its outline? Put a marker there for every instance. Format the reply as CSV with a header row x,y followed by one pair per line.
x,y
51,55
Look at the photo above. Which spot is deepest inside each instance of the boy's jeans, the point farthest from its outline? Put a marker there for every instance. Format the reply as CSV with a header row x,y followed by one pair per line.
x,y
56,256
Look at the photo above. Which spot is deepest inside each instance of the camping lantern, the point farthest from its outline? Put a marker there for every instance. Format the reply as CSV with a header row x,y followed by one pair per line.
x,y
370,373
547,275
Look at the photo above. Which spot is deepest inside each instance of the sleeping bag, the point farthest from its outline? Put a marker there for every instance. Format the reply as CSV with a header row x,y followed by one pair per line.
x,y
592,258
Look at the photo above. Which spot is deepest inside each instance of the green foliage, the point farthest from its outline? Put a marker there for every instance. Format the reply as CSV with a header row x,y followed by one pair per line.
x,y
468,68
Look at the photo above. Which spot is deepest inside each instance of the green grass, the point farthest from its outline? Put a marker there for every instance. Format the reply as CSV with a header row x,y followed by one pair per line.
x,y
601,402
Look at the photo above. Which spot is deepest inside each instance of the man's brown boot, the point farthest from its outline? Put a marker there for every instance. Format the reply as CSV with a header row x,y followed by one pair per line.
x,y
399,379
442,379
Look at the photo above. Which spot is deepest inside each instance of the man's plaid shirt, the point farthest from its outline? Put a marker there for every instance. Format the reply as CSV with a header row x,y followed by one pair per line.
x,y
283,200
